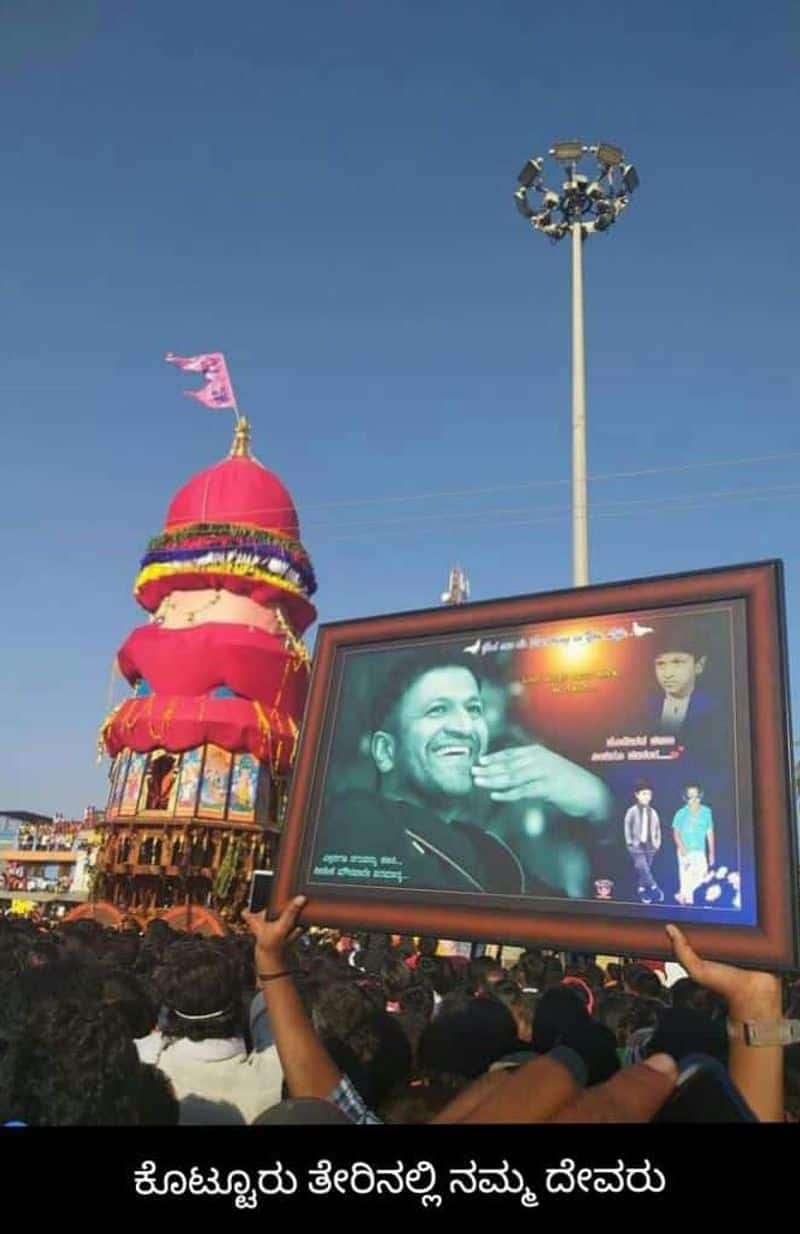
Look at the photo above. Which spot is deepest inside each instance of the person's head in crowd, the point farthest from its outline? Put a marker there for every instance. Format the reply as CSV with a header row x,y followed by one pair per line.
x,y
615,1010
428,946
613,975
120,950
482,973
455,1000
396,977
200,990
67,1059
17,945
127,993
44,949
467,1040
420,1098
417,999
681,1031
531,968
521,1005
688,995
413,1026
641,980
405,948
563,1019
644,1012
438,971
428,731
373,952
158,1105
158,935
240,949
82,940
553,972
594,975
575,980
344,1015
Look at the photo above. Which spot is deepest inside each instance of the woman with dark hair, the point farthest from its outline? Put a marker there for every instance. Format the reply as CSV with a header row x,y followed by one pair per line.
x,y
200,1045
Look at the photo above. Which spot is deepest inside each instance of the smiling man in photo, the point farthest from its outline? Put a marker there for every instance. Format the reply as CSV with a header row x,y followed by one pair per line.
x,y
429,746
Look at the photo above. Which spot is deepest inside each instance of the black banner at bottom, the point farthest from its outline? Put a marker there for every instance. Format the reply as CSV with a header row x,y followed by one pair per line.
x,y
178,1172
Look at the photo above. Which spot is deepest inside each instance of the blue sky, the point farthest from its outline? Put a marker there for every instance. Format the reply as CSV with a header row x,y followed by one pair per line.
x,y
324,192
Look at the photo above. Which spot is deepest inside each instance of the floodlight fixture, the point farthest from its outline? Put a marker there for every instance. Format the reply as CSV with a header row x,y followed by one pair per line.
x,y
568,151
630,178
609,156
521,198
530,172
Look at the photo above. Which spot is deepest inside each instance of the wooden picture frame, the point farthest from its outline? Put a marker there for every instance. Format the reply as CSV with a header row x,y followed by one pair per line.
x,y
745,740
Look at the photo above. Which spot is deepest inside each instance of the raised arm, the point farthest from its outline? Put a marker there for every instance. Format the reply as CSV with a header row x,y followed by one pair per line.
x,y
757,1071
308,1069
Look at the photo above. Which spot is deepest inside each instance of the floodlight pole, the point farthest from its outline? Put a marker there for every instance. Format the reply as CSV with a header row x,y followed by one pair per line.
x,y
582,208
580,511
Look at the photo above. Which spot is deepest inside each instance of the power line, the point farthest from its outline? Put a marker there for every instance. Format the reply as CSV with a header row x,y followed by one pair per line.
x,y
441,494
435,519
507,488
609,510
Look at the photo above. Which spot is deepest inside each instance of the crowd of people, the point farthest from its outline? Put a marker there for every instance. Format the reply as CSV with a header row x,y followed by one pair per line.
x,y
275,1025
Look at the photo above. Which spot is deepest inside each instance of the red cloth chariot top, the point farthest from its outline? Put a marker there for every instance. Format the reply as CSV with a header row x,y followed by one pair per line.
x,y
193,661
183,667
237,490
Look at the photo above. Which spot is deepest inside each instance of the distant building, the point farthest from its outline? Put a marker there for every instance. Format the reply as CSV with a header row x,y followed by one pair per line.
x,y
41,858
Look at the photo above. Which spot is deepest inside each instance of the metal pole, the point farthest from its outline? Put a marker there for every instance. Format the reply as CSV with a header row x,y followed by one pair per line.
x,y
580,520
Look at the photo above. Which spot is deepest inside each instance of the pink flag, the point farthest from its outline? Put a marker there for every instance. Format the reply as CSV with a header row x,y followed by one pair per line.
x,y
217,393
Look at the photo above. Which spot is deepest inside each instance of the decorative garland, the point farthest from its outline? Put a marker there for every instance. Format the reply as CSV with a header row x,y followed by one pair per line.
x,y
227,531
208,537
227,569
206,559
228,869
291,640
104,727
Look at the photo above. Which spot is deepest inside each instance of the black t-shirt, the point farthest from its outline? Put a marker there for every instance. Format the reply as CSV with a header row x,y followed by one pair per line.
x,y
383,842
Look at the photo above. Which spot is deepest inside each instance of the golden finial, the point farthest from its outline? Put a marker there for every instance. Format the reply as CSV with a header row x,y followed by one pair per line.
x,y
241,439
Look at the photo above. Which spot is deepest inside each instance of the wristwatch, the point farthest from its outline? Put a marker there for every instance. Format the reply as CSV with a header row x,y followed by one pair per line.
x,y
765,1032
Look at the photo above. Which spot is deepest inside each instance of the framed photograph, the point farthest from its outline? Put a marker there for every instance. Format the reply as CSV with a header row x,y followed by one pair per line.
x,y
133,784
214,786
244,786
571,770
189,783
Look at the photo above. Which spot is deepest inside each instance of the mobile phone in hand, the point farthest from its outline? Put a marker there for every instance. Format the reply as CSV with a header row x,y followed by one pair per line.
x,y
260,890
704,1093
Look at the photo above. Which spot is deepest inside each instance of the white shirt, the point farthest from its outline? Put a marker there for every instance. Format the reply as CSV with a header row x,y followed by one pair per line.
x,y
216,1081
674,710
